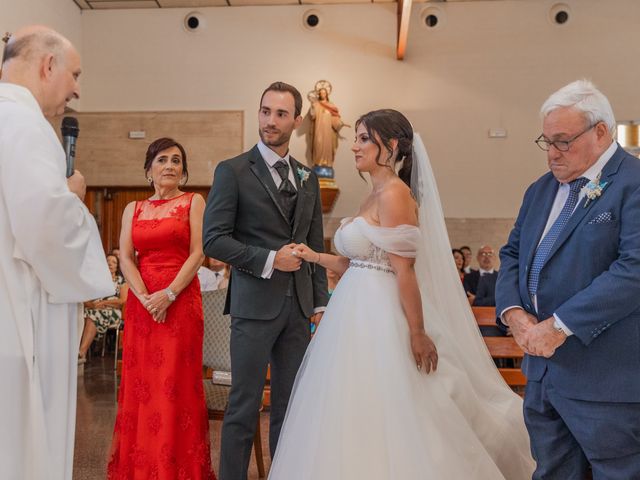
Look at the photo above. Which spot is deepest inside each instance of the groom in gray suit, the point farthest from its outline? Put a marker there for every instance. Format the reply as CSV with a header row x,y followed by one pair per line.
x,y
569,289
261,205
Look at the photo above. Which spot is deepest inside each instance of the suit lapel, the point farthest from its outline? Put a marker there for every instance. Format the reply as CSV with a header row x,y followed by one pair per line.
x,y
302,193
546,197
261,171
608,173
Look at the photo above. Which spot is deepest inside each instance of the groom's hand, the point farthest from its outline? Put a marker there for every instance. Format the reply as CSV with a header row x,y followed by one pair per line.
x,y
287,259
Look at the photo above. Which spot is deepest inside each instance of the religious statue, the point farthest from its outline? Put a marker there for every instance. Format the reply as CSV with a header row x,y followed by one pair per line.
x,y
324,132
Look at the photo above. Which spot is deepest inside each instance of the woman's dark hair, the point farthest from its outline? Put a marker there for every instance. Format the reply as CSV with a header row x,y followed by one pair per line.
x,y
388,125
456,250
158,146
118,272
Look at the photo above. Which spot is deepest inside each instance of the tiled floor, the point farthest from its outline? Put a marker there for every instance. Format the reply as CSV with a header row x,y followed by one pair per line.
x,y
96,414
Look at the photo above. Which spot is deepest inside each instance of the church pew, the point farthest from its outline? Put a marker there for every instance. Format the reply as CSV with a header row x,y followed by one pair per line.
x,y
485,316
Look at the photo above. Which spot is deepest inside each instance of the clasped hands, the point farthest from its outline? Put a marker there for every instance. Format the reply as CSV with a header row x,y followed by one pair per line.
x,y
156,304
289,258
539,338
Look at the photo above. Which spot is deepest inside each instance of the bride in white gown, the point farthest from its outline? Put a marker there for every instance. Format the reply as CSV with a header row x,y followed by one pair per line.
x,y
364,405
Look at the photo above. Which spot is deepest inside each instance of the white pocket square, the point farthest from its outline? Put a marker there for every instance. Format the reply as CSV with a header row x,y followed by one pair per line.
x,y
604,217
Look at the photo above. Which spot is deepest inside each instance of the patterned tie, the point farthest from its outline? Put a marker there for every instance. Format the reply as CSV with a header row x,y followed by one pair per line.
x,y
288,193
552,235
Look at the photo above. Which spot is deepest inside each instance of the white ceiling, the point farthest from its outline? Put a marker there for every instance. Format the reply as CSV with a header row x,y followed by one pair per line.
x,y
120,4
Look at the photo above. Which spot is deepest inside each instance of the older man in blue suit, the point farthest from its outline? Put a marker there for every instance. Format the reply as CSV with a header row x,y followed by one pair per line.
x,y
569,289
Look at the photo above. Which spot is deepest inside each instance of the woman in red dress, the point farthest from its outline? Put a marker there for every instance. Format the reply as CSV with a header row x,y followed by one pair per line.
x,y
162,427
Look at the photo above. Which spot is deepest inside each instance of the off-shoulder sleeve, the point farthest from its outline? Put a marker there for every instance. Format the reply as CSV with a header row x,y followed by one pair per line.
x,y
402,240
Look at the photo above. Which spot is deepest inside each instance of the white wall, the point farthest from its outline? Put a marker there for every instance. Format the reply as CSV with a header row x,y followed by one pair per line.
x,y
61,15
487,64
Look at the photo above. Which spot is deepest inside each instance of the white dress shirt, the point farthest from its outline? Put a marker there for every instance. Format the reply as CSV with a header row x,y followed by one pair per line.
x,y
558,203
271,158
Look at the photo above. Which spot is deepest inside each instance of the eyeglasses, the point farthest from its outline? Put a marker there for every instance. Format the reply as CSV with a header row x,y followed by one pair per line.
x,y
560,145
486,254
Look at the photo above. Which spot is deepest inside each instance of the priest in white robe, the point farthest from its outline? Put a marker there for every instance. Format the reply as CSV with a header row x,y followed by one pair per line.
x,y
51,259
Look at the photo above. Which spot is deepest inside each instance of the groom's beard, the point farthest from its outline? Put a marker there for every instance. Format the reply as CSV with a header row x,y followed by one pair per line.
x,y
272,137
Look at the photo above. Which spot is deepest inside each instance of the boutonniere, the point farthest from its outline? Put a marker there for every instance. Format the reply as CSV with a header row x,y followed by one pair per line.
x,y
593,189
303,175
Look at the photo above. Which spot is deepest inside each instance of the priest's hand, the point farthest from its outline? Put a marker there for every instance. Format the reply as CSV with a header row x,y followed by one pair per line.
x,y
77,184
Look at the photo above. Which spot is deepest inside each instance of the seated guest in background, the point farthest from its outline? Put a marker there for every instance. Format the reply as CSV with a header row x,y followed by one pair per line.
x,y
332,280
466,251
116,252
458,257
213,275
480,285
104,313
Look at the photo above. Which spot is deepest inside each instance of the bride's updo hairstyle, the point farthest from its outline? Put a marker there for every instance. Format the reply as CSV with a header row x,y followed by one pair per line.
x,y
390,124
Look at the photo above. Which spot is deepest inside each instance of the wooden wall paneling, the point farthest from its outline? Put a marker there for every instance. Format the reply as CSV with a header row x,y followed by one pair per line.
x,y
107,156
107,204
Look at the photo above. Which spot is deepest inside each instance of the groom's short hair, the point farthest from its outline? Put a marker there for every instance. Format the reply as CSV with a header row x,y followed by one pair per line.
x,y
285,87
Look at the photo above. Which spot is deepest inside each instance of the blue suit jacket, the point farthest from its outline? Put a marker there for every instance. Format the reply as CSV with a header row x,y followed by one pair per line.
x,y
591,280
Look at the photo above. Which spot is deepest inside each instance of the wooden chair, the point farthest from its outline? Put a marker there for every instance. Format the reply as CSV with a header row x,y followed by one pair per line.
x,y
216,357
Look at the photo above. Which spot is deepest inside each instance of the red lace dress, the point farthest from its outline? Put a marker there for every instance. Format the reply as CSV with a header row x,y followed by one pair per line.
x,y
162,428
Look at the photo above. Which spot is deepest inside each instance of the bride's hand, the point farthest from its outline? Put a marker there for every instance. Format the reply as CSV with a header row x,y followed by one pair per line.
x,y
306,254
424,352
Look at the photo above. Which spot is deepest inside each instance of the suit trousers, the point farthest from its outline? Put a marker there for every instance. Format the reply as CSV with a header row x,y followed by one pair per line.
x,y
568,434
282,342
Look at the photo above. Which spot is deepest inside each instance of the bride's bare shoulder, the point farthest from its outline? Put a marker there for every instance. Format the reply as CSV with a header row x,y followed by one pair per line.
x,y
396,205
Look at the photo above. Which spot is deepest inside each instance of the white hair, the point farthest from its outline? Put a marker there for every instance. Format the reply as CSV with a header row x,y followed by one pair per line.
x,y
583,96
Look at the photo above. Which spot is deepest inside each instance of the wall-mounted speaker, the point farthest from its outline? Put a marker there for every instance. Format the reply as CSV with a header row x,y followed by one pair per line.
x,y
431,17
194,22
559,14
311,19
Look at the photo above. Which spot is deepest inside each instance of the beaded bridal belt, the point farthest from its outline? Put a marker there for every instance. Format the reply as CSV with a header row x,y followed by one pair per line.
x,y
371,266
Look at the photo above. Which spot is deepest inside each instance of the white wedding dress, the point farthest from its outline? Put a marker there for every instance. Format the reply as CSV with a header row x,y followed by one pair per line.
x,y
360,409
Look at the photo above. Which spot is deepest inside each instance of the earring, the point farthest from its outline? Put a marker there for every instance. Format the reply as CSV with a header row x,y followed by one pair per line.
x,y
150,180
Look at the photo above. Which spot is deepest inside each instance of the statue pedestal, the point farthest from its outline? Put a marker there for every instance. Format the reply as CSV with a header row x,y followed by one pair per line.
x,y
329,193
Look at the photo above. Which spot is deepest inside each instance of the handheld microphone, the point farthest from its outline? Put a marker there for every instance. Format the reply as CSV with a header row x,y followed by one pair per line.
x,y
70,132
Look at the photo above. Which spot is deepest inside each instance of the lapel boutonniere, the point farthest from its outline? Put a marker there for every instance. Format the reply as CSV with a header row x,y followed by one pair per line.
x,y
593,189
303,175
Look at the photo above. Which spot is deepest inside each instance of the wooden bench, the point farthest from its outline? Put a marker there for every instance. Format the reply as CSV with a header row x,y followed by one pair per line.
x,y
506,347
485,316
503,347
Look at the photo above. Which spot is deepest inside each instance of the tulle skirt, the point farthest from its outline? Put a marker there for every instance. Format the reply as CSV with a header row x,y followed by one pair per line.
x,y
361,409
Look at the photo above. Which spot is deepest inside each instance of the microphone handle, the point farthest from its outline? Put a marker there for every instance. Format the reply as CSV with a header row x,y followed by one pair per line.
x,y
70,152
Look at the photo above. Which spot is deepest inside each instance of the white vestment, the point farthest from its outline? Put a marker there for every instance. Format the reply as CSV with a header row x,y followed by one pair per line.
x,y
51,258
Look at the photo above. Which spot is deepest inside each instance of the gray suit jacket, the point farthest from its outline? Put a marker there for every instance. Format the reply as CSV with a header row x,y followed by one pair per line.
x,y
243,221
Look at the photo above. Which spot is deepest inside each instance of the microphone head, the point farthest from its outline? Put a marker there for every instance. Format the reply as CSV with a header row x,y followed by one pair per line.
x,y
70,127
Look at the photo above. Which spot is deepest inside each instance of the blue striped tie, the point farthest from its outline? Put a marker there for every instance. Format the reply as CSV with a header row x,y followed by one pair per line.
x,y
552,235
